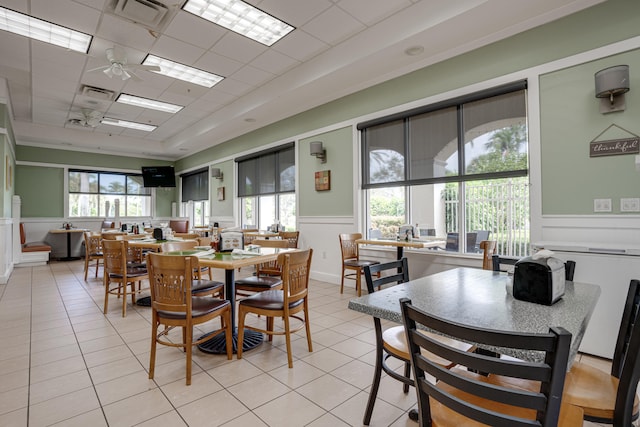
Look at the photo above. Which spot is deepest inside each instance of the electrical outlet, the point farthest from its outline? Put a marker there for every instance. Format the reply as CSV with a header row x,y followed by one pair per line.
x,y
630,205
602,205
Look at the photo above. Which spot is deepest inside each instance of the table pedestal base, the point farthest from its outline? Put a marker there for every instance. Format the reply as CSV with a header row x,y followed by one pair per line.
x,y
144,302
217,344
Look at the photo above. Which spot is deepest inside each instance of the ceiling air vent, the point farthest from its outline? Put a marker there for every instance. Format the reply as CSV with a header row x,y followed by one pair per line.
x,y
145,12
98,93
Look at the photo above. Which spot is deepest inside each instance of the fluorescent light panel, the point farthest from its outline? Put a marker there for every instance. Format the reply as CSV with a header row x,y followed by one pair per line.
x,y
44,31
242,18
149,103
183,72
126,124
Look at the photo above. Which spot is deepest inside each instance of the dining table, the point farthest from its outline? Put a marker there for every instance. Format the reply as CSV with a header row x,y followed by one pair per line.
x,y
400,244
68,232
482,298
229,262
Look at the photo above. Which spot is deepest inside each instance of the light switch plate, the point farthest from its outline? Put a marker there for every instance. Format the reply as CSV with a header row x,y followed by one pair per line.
x,y
602,205
629,205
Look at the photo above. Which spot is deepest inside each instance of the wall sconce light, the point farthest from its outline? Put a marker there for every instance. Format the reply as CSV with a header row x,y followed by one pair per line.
x,y
216,173
611,85
316,150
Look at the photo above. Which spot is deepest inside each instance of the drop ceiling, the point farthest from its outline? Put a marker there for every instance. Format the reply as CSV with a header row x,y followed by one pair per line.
x,y
338,47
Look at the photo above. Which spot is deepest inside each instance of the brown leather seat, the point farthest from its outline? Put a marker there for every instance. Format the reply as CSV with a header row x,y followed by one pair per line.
x,y
179,225
32,246
268,275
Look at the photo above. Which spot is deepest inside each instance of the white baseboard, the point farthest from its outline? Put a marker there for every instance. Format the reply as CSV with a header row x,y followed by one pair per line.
x,y
32,259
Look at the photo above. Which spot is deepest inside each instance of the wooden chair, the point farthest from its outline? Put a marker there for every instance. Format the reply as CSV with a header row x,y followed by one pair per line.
x,y
107,224
199,287
285,303
247,237
173,305
392,342
488,248
118,272
268,275
291,237
92,251
459,397
179,225
351,260
611,398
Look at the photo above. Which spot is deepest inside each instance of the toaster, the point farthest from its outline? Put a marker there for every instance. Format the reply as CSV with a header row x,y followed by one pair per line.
x,y
539,280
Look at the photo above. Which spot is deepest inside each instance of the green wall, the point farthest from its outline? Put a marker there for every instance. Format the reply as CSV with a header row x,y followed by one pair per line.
x,y
339,199
570,120
222,208
41,188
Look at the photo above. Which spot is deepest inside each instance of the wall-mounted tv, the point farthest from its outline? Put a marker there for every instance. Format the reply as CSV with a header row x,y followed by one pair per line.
x,y
158,176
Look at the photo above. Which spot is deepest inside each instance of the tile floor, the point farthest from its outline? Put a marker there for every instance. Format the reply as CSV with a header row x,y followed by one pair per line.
x,y
64,363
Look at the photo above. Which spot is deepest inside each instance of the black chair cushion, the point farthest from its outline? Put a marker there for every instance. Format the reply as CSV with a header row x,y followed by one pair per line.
x,y
360,263
132,272
269,300
200,306
263,282
205,286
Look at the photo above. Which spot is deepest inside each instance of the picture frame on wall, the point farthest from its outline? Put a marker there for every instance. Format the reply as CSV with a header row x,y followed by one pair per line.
x,y
220,194
323,180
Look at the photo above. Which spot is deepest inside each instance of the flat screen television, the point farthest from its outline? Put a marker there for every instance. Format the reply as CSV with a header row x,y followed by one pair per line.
x,y
158,176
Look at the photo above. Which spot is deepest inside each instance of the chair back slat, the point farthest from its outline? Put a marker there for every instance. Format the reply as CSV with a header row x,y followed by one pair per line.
x,y
179,246
459,391
113,256
296,267
348,245
395,272
170,280
291,237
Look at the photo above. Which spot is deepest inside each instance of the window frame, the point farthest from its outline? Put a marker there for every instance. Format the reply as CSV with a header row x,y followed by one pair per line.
x,y
147,192
461,177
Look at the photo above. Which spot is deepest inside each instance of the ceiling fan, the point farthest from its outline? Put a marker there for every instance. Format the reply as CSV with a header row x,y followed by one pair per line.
x,y
119,67
90,118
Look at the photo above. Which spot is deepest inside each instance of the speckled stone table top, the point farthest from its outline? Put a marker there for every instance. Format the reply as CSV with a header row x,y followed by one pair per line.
x,y
480,298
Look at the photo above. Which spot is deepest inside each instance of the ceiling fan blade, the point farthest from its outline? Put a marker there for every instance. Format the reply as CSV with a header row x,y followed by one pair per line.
x,y
144,67
104,67
134,76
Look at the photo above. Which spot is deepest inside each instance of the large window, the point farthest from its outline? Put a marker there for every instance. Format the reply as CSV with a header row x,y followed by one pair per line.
x,y
266,188
195,196
99,194
458,169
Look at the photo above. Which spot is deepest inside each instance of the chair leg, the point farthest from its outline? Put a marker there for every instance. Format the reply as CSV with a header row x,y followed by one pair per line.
x,y
225,319
189,348
124,298
342,281
307,325
359,281
270,320
407,373
105,282
287,335
241,315
154,334
86,267
377,374
97,266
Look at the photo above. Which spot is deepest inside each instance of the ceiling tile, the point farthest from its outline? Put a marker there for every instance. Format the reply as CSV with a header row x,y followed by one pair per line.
x,y
333,26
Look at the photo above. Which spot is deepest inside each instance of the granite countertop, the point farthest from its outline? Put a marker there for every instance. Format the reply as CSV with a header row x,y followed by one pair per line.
x,y
480,298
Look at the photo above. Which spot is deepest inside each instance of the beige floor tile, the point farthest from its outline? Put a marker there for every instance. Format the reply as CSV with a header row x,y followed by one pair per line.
x,y
234,373
124,387
58,368
301,374
113,370
136,409
327,359
17,418
63,407
169,419
328,391
58,386
108,355
328,420
356,373
94,418
289,410
258,390
14,399
180,394
212,410
100,344
247,419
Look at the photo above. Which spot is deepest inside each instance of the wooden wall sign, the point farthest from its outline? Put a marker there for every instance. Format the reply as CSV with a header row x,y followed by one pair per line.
x,y
323,180
614,147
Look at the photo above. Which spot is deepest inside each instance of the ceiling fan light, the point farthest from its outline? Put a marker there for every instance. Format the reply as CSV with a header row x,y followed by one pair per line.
x,y
108,72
